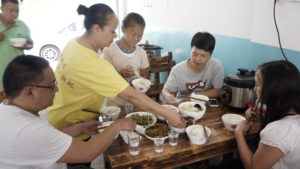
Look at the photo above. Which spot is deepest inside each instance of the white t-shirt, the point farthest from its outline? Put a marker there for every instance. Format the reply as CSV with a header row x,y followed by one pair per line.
x,y
184,81
284,134
28,142
120,59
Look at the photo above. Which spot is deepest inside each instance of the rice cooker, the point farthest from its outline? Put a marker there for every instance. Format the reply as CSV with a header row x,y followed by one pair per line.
x,y
238,89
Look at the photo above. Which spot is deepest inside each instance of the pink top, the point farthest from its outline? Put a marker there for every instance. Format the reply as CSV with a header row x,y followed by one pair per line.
x,y
284,134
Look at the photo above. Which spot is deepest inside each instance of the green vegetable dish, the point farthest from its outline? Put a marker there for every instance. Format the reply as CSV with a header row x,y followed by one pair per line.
x,y
142,120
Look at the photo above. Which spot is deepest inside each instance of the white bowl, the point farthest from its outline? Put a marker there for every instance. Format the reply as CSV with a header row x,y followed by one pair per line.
x,y
169,107
113,110
143,114
152,138
187,108
107,124
232,120
124,135
196,134
17,42
141,84
199,96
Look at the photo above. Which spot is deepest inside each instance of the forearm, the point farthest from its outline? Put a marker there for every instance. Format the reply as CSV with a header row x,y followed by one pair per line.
x,y
166,93
215,93
245,152
74,130
80,152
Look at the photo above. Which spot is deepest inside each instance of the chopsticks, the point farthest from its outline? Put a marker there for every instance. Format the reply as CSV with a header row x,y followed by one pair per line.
x,y
190,97
204,129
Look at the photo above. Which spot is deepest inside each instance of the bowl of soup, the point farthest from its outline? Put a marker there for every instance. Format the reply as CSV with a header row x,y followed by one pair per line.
x,y
192,109
113,110
231,121
141,84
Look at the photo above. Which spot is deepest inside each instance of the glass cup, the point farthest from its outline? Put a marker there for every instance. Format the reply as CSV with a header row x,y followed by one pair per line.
x,y
173,138
159,144
134,142
128,108
105,117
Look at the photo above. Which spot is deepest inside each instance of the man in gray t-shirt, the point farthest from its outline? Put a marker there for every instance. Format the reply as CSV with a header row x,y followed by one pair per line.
x,y
201,74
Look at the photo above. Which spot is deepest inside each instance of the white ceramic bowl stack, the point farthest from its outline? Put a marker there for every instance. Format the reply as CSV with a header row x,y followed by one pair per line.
x,y
231,121
189,109
141,84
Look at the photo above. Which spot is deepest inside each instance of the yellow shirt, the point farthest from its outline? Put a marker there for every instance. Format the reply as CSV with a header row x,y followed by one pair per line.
x,y
84,80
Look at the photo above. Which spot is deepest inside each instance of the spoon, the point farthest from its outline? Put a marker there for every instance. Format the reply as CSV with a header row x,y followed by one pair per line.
x,y
198,106
204,129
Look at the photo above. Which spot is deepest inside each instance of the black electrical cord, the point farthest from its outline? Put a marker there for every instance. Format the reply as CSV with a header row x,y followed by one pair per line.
x,y
278,31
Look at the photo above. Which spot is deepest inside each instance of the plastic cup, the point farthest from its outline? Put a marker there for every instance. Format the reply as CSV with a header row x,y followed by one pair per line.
x,y
159,145
173,138
134,142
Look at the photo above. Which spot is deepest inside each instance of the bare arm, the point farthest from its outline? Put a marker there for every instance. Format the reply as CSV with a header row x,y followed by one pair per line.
x,y
169,97
265,156
145,73
80,152
215,93
88,127
147,104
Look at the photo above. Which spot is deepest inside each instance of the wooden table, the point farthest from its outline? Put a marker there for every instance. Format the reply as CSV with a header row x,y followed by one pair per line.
x,y
220,142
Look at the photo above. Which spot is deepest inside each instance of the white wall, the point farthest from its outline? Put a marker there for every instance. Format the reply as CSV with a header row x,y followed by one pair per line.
x,y
249,19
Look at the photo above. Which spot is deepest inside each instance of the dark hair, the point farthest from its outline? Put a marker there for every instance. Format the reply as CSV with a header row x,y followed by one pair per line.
x,y
95,14
12,1
280,90
133,18
204,41
23,70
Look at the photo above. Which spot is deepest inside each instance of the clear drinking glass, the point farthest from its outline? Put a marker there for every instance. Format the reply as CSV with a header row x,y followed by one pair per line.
x,y
159,144
134,142
173,138
128,108
105,117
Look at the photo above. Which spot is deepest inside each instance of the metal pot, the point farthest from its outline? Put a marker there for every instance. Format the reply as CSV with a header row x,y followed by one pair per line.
x,y
238,89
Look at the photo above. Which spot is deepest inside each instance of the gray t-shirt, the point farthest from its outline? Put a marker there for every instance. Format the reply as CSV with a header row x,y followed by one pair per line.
x,y
184,81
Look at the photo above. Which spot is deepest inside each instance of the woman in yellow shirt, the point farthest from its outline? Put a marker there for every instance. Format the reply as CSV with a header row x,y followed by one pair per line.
x,y
85,79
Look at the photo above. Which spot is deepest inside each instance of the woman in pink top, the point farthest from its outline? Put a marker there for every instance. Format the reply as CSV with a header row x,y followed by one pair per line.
x,y
277,85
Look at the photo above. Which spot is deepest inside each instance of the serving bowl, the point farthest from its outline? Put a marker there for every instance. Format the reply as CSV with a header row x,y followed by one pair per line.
x,y
189,109
231,121
141,84
157,131
17,42
169,107
113,110
196,134
141,118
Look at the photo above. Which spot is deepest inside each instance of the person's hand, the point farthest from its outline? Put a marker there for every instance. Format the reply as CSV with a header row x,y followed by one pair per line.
x,y
2,36
126,124
251,115
127,72
176,120
90,127
170,99
242,127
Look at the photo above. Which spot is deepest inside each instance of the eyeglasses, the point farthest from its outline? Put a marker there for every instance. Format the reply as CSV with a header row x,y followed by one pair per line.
x,y
52,87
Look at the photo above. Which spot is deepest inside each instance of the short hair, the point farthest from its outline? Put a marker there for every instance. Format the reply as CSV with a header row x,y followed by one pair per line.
x,y
280,90
204,41
133,18
21,71
95,14
12,1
